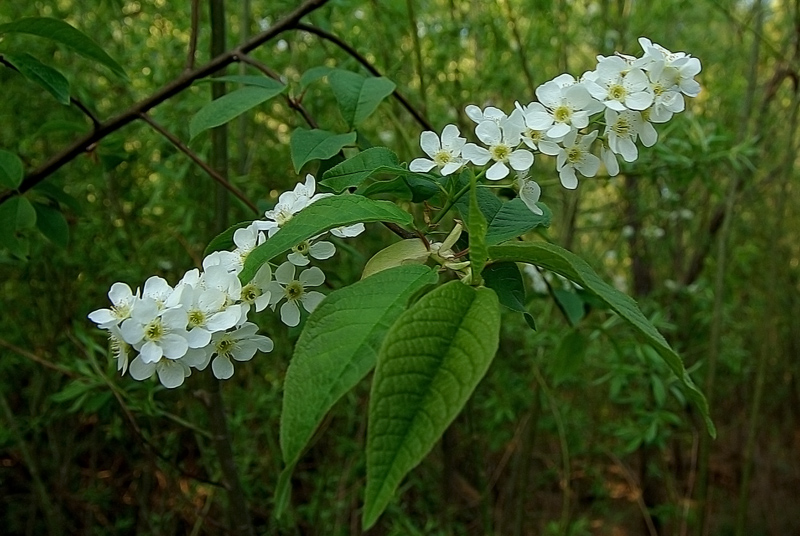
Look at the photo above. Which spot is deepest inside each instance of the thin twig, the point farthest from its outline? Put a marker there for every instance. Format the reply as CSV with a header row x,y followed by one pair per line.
x,y
173,88
36,359
193,36
651,528
293,103
371,68
197,160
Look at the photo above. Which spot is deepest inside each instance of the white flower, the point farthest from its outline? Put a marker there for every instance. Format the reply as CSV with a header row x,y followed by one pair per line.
x,y
622,130
490,113
610,160
567,104
156,333
445,153
618,86
502,140
239,345
171,373
529,192
122,300
294,290
246,239
289,204
120,349
255,292
537,139
319,250
676,68
348,231
207,313
575,155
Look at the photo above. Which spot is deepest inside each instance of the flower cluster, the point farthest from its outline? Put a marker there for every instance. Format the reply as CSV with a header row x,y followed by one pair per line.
x,y
623,96
203,320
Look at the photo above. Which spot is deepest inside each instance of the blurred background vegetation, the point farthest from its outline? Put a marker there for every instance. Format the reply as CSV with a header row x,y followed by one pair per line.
x,y
576,430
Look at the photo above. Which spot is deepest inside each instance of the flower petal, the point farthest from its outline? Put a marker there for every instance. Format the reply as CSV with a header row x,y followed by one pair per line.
x,y
222,367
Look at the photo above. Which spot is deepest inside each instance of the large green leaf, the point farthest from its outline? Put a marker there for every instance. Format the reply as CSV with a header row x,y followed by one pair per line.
x,y
307,145
11,170
353,171
16,213
220,111
431,361
339,346
574,268
358,96
39,73
52,224
321,216
505,279
60,31
513,219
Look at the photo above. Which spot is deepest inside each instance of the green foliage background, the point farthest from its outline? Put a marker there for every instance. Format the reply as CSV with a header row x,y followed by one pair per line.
x,y
577,428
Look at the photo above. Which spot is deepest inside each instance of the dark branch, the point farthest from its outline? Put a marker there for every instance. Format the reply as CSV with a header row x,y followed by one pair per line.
x,y
197,160
367,65
170,90
292,102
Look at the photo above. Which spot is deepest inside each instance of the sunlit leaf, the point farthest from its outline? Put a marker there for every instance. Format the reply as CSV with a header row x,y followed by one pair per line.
x,y
430,363
358,96
39,73
60,31
307,145
230,106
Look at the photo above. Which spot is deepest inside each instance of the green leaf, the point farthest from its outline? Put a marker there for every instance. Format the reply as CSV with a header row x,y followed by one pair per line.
x,y
488,202
430,363
513,219
339,346
52,224
229,106
224,240
571,304
11,170
60,31
39,73
505,279
248,80
569,265
477,236
422,187
321,216
16,213
358,96
397,187
353,171
314,74
307,145
409,251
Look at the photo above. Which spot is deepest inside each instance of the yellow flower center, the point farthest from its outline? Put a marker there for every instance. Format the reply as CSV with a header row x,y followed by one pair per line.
x,y
196,318
154,330
442,158
622,127
562,114
294,290
574,154
500,152
617,92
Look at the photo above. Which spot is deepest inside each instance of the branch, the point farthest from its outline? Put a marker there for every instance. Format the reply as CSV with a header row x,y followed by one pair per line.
x,y
363,61
170,90
193,36
292,102
197,160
